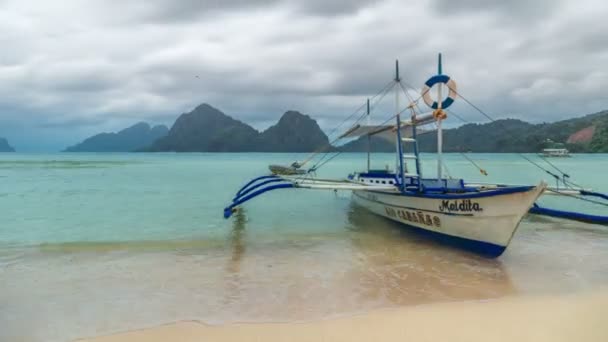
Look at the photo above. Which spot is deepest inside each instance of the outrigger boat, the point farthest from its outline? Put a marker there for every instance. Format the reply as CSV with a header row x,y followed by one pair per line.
x,y
479,217
293,169
556,152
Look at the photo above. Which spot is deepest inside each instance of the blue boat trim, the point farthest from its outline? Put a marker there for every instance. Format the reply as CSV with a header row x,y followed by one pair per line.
x,y
377,174
411,208
256,186
437,79
462,195
483,248
594,194
242,199
238,193
538,210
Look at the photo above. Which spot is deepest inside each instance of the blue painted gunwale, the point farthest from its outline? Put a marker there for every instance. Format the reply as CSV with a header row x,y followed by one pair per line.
x,y
462,195
377,175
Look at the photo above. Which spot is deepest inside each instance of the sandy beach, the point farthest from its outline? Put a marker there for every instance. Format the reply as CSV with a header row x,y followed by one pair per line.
x,y
573,317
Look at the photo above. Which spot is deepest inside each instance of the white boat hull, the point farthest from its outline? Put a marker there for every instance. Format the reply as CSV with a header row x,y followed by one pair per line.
x,y
485,224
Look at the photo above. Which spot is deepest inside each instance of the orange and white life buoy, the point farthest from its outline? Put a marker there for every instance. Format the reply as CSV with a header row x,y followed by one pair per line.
x,y
426,94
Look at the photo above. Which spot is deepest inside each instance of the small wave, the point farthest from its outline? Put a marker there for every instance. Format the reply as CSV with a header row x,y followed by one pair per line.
x,y
108,246
61,164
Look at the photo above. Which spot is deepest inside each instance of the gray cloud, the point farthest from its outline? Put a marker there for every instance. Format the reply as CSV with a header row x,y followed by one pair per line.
x,y
515,10
79,67
168,11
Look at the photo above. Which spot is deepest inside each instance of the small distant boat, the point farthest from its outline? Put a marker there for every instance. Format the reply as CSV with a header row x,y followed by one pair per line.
x,y
556,152
293,169
481,217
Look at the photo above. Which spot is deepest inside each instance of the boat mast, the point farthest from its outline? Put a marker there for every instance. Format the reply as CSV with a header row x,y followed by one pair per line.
x,y
439,120
415,146
398,135
369,139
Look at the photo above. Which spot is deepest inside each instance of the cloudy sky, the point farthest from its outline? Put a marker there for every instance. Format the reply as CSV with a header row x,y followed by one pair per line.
x,y
72,68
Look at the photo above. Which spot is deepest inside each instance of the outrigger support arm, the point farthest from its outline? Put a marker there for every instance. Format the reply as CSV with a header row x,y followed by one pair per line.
x,y
569,215
246,186
246,197
263,184
595,194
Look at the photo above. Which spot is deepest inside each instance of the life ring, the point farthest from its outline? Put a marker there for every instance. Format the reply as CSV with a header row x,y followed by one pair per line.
x,y
426,94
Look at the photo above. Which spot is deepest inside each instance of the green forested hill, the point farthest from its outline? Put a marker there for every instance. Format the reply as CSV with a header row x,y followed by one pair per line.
x,y
507,135
599,143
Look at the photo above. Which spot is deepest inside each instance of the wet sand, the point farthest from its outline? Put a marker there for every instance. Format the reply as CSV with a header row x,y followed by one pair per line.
x,y
574,317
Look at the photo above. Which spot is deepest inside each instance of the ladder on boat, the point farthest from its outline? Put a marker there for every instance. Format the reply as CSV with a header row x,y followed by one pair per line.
x,y
415,157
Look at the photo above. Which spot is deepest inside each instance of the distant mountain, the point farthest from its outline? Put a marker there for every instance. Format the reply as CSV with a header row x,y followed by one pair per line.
x,y
5,147
207,129
584,134
127,140
295,132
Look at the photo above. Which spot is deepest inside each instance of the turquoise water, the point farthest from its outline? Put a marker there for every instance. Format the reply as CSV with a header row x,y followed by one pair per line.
x,y
97,243
134,197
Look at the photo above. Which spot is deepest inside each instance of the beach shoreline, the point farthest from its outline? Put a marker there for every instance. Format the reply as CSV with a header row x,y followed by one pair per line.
x,y
567,317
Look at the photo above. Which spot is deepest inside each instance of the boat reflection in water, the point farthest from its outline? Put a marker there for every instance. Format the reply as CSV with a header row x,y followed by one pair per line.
x,y
371,263
233,281
407,267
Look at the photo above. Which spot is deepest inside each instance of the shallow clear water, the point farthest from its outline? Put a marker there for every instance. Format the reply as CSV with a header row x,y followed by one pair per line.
x,y
97,243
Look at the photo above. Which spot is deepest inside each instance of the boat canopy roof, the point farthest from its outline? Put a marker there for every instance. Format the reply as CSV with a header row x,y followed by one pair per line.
x,y
389,131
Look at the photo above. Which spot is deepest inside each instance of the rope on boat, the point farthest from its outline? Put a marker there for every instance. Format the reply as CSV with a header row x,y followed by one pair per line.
x,y
481,170
564,178
415,103
322,161
383,91
584,193
557,177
